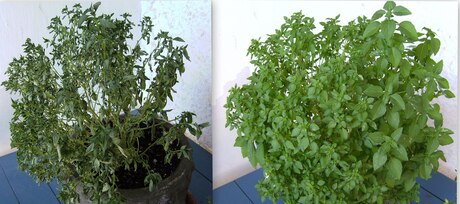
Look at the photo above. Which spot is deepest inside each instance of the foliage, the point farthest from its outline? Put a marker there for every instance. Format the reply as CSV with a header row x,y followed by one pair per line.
x,y
67,124
340,115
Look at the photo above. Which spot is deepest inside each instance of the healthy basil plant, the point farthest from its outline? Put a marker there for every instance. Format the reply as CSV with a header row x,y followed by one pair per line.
x,y
343,115
73,120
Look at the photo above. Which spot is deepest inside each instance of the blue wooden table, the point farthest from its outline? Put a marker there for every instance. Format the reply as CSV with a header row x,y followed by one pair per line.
x,y
242,190
19,187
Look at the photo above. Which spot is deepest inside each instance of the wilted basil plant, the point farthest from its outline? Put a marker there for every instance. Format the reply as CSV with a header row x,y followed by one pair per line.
x,y
67,124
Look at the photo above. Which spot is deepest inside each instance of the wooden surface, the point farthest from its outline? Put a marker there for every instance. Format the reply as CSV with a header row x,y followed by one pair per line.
x,y
18,187
242,190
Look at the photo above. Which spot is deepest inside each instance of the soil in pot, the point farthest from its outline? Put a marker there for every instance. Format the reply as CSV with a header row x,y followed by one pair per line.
x,y
176,175
156,154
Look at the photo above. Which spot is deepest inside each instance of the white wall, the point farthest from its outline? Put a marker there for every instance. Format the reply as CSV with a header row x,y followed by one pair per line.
x,y
21,20
254,19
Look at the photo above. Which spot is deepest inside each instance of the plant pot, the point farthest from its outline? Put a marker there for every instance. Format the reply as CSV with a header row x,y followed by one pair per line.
x,y
171,190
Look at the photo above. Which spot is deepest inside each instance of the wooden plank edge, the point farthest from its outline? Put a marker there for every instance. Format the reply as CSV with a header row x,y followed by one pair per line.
x,y
449,173
195,140
6,152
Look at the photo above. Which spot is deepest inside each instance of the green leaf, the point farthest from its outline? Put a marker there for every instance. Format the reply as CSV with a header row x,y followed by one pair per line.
x,y
382,64
178,39
393,119
260,154
397,101
96,5
106,187
437,68
405,68
275,145
378,14
389,5
408,185
379,159
408,30
374,91
443,83
313,147
392,83
432,145
240,142
129,77
397,134
431,87
371,29
81,19
378,110
421,121
388,29
435,45
414,130
151,185
302,199
445,140
394,168
311,91
401,11
400,153
251,153
292,87
121,150
321,183
376,138
296,131
97,164
186,55
395,57
425,171
304,142
422,50
289,145
343,134
106,23
314,127
298,165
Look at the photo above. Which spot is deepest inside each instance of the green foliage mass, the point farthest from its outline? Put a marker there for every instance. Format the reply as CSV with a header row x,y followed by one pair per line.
x,y
66,123
342,115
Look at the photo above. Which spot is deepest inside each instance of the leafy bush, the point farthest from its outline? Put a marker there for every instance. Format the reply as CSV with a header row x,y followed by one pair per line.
x,y
340,116
67,124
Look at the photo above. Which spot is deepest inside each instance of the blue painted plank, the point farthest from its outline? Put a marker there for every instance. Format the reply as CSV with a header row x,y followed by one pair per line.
x,y
230,194
202,160
248,183
427,198
440,186
201,188
6,193
55,187
26,189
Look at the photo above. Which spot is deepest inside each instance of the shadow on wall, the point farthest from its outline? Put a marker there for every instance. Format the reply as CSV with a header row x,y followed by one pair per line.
x,y
227,167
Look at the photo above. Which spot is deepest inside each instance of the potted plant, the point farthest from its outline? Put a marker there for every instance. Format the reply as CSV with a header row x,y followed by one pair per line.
x,y
91,110
340,115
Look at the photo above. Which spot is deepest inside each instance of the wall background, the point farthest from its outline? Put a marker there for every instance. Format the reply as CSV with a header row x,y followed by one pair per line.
x,y
191,20
256,19
21,20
